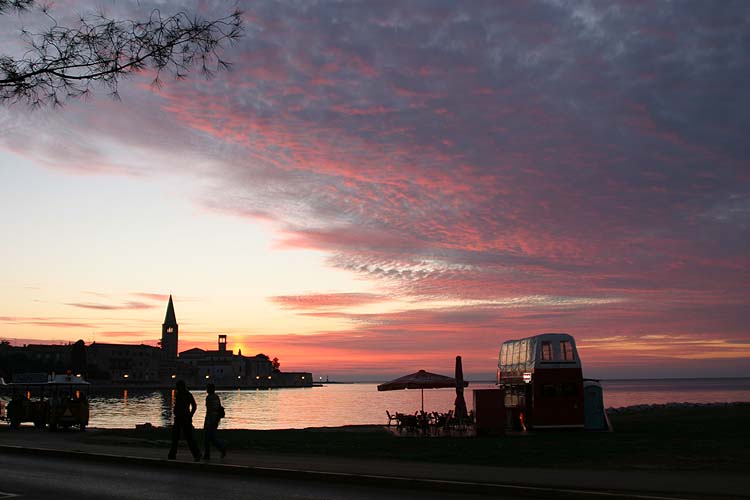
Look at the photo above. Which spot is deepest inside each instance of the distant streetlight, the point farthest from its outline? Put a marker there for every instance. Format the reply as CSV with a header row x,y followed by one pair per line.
x,y
125,375
303,377
239,377
269,377
208,376
174,376
257,377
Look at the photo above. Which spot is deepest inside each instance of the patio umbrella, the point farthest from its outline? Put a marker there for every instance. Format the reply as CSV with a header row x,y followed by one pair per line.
x,y
460,412
419,380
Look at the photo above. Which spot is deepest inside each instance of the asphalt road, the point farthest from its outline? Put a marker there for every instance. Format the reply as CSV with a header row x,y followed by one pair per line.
x,y
54,478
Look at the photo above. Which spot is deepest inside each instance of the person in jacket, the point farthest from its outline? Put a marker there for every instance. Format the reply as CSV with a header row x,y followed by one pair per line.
x,y
184,409
214,413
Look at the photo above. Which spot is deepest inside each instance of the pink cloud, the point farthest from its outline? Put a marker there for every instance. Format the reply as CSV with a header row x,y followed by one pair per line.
x,y
327,300
129,305
45,322
158,297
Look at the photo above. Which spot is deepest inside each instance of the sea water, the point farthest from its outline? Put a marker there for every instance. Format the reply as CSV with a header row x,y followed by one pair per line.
x,y
362,404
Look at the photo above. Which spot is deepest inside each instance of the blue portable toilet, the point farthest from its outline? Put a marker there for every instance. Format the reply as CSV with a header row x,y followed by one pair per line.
x,y
594,416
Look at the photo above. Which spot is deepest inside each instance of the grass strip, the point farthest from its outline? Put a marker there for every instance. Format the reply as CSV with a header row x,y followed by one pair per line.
x,y
661,438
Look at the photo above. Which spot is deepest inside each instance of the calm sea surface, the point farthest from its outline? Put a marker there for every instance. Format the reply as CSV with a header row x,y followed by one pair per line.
x,y
361,404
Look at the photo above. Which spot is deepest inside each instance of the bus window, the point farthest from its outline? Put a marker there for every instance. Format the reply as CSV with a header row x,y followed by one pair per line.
x,y
505,354
532,355
525,362
566,348
515,353
546,351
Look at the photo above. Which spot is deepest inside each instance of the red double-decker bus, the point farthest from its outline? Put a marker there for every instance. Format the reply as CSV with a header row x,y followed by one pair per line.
x,y
543,382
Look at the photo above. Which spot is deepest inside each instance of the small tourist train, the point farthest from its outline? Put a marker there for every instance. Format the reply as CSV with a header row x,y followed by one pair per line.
x,y
544,385
61,401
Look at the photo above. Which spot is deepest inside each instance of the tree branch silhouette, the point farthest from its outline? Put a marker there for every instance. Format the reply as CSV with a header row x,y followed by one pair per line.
x,y
19,5
68,62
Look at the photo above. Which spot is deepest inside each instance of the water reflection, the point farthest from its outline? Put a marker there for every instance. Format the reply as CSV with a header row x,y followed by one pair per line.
x,y
131,408
167,403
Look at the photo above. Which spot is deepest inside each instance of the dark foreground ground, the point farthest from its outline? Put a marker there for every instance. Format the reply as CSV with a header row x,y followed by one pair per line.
x,y
673,453
708,438
45,478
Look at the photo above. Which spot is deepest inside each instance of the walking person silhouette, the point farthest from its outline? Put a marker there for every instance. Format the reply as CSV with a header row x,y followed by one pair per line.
x,y
184,409
214,413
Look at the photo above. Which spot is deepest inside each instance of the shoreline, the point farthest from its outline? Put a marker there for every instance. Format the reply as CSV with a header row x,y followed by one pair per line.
x,y
95,389
643,408
675,404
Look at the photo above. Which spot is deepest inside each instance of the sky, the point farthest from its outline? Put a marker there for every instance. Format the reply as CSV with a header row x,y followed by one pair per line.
x,y
377,187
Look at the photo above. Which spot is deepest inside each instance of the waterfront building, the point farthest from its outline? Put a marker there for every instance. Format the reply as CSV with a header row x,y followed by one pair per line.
x,y
124,362
57,356
139,364
226,369
150,366
222,367
33,358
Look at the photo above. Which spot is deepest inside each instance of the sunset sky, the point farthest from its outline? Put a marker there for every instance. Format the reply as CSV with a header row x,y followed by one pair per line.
x,y
376,187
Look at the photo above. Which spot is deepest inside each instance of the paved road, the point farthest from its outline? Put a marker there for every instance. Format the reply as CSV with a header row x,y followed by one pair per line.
x,y
55,478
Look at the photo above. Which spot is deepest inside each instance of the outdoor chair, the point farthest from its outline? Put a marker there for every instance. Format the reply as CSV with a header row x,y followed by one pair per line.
x,y
424,420
445,421
462,425
391,418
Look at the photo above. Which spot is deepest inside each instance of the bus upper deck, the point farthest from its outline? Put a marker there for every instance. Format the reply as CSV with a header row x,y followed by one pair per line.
x,y
519,359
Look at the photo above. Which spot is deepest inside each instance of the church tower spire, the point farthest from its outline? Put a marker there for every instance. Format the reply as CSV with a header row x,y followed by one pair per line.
x,y
169,332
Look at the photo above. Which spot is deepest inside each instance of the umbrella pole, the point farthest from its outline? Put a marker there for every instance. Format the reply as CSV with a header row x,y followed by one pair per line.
x,y
423,400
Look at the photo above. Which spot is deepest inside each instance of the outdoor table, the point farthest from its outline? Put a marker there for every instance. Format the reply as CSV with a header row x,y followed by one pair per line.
x,y
407,421
432,423
423,420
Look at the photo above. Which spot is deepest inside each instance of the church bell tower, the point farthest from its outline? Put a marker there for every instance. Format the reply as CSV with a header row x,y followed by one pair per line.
x,y
169,332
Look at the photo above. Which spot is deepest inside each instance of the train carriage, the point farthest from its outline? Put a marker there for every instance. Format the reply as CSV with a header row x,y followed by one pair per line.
x,y
60,402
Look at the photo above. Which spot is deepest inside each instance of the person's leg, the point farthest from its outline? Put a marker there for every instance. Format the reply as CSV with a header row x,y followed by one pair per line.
x,y
206,440
188,430
212,436
175,439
